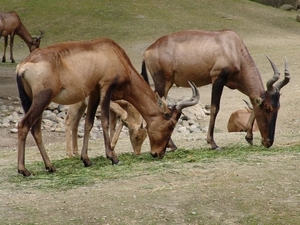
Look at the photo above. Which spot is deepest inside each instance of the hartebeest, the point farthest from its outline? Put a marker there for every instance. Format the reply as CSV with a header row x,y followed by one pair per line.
x,y
222,59
10,24
67,73
237,121
128,116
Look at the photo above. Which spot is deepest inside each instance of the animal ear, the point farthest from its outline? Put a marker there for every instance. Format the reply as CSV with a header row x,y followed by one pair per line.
x,y
258,101
162,104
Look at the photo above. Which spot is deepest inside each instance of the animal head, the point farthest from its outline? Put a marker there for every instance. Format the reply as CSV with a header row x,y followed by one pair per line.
x,y
36,41
160,130
238,120
266,106
137,136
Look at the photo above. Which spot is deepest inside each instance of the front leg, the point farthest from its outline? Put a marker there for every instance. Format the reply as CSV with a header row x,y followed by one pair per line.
x,y
217,89
105,108
11,48
89,122
249,128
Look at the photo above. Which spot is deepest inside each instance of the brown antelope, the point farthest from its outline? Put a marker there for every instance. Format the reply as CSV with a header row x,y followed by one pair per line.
x,y
129,117
238,119
67,73
222,59
10,24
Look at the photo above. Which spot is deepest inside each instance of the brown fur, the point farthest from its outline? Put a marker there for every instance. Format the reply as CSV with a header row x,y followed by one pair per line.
x,y
219,58
101,70
11,25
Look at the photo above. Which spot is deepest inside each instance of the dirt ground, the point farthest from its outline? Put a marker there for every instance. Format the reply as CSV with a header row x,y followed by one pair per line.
x,y
217,193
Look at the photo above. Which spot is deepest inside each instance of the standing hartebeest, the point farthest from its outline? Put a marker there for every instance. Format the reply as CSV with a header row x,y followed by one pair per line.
x,y
237,121
128,116
10,24
222,59
67,73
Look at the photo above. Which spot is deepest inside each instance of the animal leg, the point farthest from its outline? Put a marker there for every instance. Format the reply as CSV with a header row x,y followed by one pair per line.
x,y
249,128
105,107
73,117
32,115
171,145
74,126
89,122
217,90
37,135
5,46
11,48
115,135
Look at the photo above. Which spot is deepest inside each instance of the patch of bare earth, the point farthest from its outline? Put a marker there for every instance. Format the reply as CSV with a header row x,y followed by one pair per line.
x,y
219,192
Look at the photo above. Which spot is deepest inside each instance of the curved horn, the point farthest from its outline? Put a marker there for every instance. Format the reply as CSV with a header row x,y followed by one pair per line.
x,y
286,76
41,34
273,79
248,104
190,102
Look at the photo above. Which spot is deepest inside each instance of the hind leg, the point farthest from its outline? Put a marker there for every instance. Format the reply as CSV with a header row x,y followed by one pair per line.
x,y
34,114
37,135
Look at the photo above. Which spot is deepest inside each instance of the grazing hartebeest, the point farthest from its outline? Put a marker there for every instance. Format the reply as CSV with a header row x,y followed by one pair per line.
x,y
10,24
67,73
128,116
237,121
220,58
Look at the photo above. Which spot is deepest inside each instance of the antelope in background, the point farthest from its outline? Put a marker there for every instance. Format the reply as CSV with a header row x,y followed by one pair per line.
x,y
237,121
10,24
219,58
67,73
128,116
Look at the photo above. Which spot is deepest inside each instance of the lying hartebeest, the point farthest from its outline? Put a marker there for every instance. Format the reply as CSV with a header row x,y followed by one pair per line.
x,y
128,116
10,24
67,73
237,121
222,59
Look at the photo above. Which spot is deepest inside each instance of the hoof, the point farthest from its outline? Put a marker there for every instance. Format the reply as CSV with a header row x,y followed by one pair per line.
x,y
217,148
249,140
24,172
87,162
117,164
51,169
115,161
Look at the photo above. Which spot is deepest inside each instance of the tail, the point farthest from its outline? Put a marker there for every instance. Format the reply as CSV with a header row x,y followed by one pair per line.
x,y
25,100
144,72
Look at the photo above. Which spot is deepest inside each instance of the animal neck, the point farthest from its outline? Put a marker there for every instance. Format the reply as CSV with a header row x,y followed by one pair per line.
x,y
142,98
24,34
251,81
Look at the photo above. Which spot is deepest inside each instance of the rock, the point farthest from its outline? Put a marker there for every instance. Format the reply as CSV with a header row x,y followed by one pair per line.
x,y
286,7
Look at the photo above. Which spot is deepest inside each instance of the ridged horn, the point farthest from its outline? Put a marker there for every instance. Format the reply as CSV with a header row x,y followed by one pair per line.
x,y
286,76
189,102
272,80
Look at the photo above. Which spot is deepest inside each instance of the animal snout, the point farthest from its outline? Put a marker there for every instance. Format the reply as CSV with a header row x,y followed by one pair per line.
x,y
267,142
158,155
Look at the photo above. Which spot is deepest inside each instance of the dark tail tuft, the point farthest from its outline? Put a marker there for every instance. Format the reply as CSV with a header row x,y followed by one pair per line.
x,y
25,100
144,72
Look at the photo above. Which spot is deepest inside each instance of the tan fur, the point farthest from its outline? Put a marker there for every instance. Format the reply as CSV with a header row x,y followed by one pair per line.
x,y
67,73
219,58
127,115
11,25
238,120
